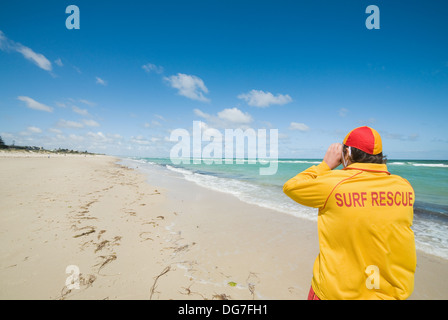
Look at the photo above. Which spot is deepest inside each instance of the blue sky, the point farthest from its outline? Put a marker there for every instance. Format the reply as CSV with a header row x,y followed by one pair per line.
x,y
136,70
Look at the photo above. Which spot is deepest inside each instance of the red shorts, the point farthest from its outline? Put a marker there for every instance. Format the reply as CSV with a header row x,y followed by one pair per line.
x,y
312,295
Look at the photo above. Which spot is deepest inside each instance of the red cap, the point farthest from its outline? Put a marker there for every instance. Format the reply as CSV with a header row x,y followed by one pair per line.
x,y
365,139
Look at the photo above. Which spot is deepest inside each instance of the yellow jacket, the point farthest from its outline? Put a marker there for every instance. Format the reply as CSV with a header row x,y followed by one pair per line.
x,y
366,245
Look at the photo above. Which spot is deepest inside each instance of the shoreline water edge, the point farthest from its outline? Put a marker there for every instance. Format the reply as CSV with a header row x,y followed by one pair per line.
x,y
430,210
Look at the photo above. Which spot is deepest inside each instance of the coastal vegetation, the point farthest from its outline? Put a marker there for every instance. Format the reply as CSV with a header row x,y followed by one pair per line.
x,y
13,148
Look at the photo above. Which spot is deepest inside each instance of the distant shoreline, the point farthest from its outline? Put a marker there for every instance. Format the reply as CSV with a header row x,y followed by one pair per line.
x,y
30,149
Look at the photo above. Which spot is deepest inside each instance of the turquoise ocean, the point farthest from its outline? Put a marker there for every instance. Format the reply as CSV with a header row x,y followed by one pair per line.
x,y
429,179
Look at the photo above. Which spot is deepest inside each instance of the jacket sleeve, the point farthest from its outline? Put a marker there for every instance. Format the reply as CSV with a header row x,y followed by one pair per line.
x,y
309,187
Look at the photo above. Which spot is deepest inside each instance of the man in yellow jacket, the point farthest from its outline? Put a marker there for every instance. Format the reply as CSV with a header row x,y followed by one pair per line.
x,y
366,245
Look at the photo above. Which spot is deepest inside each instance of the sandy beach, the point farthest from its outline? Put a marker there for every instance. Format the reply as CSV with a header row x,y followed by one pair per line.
x,y
136,236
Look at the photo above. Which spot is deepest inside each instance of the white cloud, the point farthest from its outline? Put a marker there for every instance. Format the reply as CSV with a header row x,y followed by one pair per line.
x,y
153,124
227,118
115,136
298,126
283,136
140,140
59,62
100,139
259,98
80,111
33,104
61,104
70,102
77,69
101,81
3,41
97,136
29,131
399,136
235,115
201,114
189,86
69,124
149,67
34,129
76,138
144,142
87,102
91,123
53,130
38,59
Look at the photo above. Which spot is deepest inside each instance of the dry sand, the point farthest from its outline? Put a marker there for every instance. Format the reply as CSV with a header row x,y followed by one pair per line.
x,y
166,239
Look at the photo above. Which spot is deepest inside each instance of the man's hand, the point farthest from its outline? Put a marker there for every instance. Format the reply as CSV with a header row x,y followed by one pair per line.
x,y
334,155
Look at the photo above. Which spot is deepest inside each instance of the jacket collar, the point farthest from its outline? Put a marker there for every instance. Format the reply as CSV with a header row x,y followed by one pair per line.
x,y
372,167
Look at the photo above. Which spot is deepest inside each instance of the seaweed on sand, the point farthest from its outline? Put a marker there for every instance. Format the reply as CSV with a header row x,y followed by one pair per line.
x,y
166,270
106,260
91,230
